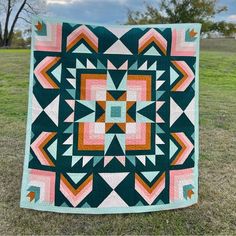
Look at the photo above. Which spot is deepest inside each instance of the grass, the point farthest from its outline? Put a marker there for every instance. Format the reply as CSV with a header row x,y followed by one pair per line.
x,y
215,212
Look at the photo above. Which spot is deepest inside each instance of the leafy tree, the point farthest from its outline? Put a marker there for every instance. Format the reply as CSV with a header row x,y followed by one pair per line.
x,y
178,11
11,11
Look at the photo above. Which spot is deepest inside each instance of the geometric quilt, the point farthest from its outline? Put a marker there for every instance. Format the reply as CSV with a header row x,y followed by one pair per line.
x,y
112,119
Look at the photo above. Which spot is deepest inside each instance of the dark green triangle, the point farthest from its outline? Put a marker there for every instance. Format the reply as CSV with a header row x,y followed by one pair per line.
x,y
149,111
115,129
117,76
132,111
115,148
99,111
116,94
83,110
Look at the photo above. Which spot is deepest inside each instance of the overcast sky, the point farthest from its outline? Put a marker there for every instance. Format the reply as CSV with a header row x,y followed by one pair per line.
x,y
112,11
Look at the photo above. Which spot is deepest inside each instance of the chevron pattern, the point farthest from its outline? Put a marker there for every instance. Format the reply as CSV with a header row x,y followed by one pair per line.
x,y
76,195
42,72
82,33
186,148
153,36
149,194
38,147
187,76
113,118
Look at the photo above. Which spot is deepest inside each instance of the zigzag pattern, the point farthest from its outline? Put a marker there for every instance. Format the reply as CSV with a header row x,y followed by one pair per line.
x,y
152,36
41,72
149,194
188,76
82,32
38,148
186,148
76,195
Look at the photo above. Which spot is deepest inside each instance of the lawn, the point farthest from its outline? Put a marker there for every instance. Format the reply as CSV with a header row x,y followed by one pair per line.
x,y
215,212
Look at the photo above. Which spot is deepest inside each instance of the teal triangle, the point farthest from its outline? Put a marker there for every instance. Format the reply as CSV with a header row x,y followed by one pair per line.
x,y
132,159
64,205
85,205
159,130
173,75
150,175
76,177
159,94
149,111
53,149
134,66
173,149
115,148
100,65
82,49
193,157
71,92
139,204
160,202
69,130
30,157
57,73
96,160
84,110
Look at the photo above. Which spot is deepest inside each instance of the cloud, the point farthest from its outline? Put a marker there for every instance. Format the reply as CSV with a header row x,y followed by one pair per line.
x,y
68,2
231,18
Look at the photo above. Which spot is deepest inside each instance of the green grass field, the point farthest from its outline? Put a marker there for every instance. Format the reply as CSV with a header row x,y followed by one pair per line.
x,y
215,212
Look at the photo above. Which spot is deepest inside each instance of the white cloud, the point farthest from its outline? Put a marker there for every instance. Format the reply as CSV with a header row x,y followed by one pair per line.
x,y
64,2
232,18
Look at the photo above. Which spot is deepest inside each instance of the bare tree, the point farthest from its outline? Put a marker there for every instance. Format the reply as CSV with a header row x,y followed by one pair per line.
x,y
11,11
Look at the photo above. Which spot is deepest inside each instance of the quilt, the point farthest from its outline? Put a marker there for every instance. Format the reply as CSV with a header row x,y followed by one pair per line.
x,y
112,118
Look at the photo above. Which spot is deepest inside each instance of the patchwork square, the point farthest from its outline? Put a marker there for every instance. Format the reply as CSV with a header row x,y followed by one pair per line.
x,y
113,118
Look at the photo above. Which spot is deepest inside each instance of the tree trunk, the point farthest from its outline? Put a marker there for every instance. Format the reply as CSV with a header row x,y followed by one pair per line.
x,y
8,13
10,35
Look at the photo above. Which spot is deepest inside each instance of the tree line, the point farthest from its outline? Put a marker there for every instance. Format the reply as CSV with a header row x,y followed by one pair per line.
x,y
167,11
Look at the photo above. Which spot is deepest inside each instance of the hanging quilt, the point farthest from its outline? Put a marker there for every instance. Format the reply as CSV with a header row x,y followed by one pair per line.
x,y
112,118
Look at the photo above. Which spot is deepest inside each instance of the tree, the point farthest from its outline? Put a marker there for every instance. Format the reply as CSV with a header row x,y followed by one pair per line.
x,y
226,28
178,11
11,11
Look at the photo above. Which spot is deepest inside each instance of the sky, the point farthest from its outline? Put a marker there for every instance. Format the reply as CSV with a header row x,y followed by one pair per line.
x,y
113,11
